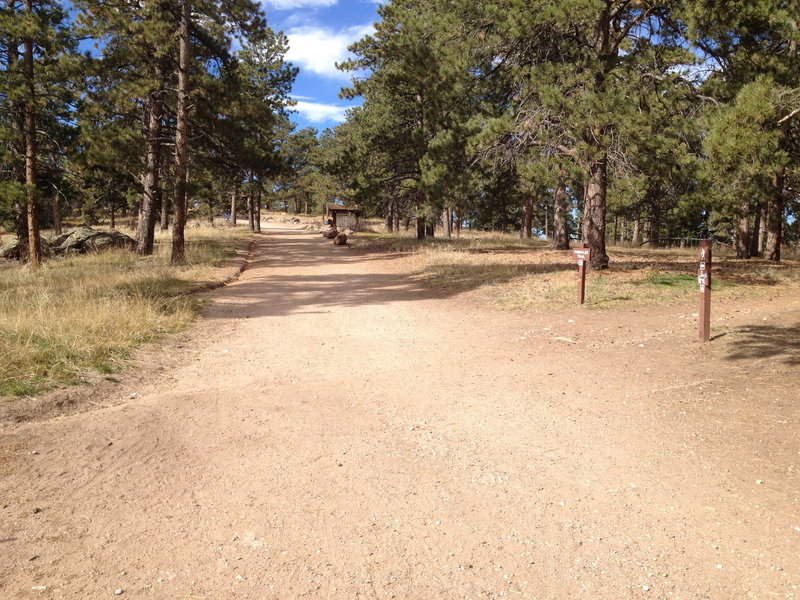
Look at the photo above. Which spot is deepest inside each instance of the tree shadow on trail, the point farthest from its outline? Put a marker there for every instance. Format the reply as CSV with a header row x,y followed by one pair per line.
x,y
282,295
768,341
299,273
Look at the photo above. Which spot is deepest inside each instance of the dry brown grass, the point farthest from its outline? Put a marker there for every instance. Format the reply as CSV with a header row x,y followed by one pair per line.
x,y
88,312
511,273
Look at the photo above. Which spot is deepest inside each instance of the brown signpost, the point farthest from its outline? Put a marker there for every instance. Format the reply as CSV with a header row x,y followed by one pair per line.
x,y
582,255
704,280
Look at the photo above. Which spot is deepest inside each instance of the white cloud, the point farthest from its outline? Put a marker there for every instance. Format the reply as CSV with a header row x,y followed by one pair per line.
x,y
321,113
317,49
292,4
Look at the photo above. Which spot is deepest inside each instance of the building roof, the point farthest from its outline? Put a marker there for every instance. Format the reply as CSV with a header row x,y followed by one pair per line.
x,y
342,208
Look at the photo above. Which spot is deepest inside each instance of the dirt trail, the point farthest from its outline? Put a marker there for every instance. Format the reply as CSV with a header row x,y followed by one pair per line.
x,y
336,430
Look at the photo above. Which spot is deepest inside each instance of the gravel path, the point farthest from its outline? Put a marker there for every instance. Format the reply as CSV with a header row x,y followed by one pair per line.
x,y
335,430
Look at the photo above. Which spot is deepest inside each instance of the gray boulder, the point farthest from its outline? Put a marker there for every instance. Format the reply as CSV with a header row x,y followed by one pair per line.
x,y
75,239
56,240
86,239
340,240
80,240
109,239
10,249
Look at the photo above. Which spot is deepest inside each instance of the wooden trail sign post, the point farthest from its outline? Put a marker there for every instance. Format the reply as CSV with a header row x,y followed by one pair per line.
x,y
582,255
704,281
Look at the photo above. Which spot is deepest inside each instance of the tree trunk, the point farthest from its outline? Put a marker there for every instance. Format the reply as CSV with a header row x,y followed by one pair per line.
x,y
458,223
420,219
421,229
181,140
593,217
594,213
17,122
21,229
527,217
447,230
614,237
762,230
257,203
560,226
111,210
163,200
757,226
636,236
743,231
234,197
654,224
55,205
31,208
211,210
772,251
390,216
151,184
546,223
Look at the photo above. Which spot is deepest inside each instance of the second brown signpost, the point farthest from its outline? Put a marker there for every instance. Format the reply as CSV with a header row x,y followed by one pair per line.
x,y
582,255
704,281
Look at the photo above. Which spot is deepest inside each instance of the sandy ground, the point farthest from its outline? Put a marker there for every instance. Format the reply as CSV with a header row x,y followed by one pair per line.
x,y
334,430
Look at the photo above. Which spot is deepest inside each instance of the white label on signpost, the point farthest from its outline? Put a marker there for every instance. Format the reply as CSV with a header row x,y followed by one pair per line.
x,y
581,254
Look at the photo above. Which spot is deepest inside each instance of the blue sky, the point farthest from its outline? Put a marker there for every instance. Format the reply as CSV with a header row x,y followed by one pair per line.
x,y
319,32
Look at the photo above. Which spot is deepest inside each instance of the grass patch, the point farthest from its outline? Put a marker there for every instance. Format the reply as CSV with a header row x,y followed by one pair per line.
x,y
672,280
87,313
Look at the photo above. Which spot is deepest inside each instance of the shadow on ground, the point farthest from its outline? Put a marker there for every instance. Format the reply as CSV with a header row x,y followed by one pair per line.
x,y
272,291
767,341
286,277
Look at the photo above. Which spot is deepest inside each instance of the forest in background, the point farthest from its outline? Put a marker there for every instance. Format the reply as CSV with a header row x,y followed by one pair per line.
x,y
601,120
610,121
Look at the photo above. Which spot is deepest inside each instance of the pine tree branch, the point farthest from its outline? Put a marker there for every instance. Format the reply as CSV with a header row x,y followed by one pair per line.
x,y
790,116
615,13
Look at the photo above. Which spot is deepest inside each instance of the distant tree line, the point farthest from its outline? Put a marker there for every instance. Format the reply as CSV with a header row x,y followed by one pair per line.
x,y
605,120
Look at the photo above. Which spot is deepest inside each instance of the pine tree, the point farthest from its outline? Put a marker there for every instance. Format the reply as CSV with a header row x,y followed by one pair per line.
x,y
412,98
754,47
182,136
38,54
572,72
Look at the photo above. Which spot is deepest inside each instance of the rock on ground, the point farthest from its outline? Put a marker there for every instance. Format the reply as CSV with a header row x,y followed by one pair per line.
x,y
79,240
